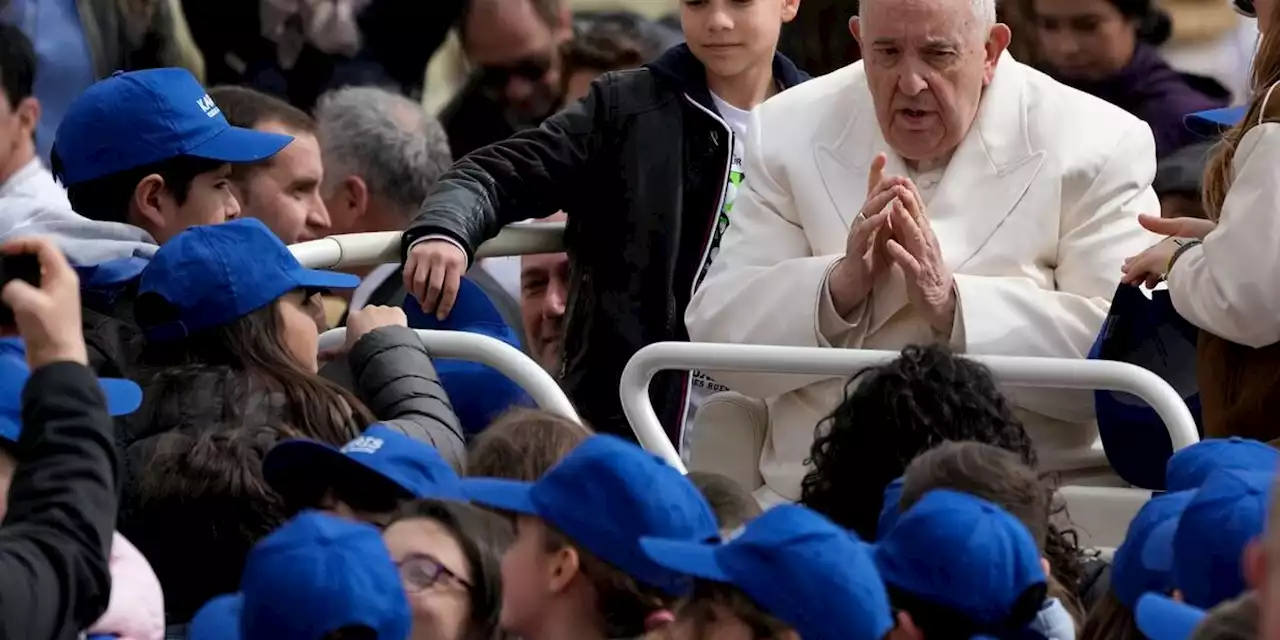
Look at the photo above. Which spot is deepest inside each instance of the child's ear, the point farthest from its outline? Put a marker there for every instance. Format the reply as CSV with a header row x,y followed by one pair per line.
x,y
789,9
565,565
148,205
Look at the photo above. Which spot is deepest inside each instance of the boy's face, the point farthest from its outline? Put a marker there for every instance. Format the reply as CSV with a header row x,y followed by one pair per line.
x,y
529,577
732,36
210,200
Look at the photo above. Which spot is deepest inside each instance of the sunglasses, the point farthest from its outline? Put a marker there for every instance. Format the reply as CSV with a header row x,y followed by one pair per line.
x,y
532,69
420,572
1245,8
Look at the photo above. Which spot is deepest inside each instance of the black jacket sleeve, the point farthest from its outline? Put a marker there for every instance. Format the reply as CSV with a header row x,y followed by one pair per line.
x,y
56,539
393,375
525,176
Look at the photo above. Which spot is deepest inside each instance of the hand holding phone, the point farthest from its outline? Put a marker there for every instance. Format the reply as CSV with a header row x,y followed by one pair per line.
x,y
47,314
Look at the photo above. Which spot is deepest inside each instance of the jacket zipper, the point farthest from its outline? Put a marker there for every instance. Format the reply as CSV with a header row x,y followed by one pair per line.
x,y
706,253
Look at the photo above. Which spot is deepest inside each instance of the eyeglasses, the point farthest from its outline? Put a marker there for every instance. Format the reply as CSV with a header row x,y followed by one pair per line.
x,y
420,572
1245,8
532,69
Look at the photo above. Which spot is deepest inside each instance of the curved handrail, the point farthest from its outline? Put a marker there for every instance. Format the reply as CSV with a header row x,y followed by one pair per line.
x,y
382,247
1012,370
495,353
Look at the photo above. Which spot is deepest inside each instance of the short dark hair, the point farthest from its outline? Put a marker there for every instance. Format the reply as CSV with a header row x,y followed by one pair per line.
x,y
245,107
611,42
199,505
17,65
107,198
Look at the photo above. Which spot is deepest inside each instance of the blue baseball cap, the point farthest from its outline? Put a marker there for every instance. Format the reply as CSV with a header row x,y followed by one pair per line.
x,y
1144,561
478,392
302,469
798,566
216,274
1213,122
314,575
892,508
1192,466
965,554
123,396
135,119
1227,512
1162,618
606,495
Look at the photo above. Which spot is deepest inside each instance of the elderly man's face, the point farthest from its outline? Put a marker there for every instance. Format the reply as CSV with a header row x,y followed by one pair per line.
x,y
927,62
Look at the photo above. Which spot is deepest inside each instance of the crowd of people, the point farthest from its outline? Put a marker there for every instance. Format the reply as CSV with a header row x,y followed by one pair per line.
x,y
183,457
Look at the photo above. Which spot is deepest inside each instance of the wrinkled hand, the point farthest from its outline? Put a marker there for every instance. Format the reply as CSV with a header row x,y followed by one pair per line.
x,y
360,323
915,249
433,272
865,258
48,317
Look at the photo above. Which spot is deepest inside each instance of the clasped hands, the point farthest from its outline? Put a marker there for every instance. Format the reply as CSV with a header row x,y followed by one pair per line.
x,y
893,230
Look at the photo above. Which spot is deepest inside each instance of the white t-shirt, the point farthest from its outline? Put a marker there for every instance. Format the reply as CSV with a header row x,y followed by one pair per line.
x,y
702,386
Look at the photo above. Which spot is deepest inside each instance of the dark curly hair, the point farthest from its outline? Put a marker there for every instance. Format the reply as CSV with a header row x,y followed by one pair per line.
x,y
893,413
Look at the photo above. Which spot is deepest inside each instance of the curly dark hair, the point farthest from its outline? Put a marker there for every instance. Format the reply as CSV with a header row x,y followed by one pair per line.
x,y
893,413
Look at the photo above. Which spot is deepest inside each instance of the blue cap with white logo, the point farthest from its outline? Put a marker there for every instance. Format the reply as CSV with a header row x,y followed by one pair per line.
x,y
216,274
605,495
1191,467
123,396
135,119
968,555
302,469
796,565
314,575
1226,513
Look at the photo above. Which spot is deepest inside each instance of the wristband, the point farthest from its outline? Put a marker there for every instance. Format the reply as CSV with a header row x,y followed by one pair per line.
x,y
1177,253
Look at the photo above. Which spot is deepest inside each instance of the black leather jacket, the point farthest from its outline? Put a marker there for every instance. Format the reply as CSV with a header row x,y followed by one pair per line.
x,y
640,166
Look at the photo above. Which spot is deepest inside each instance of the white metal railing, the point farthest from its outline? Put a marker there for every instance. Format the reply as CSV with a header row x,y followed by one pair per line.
x,y
1014,371
369,249
495,353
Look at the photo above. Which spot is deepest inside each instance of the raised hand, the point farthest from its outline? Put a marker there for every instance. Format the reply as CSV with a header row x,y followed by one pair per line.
x,y
48,317
865,258
914,248
433,272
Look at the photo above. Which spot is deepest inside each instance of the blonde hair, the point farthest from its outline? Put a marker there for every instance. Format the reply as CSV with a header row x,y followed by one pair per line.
x,y
1266,74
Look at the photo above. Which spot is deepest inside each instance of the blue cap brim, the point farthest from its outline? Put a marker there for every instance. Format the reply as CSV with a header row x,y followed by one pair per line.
x,y
123,396
218,619
316,279
1214,121
686,558
505,495
240,145
295,464
1161,618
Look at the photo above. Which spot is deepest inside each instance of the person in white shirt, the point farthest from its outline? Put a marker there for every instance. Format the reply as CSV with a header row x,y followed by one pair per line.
x,y
25,184
999,207
1222,272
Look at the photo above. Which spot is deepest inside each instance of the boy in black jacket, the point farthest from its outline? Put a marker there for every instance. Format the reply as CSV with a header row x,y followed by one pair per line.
x,y
55,540
647,166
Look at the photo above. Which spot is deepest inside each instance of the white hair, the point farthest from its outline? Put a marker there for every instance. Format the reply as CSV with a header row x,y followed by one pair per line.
x,y
984,13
